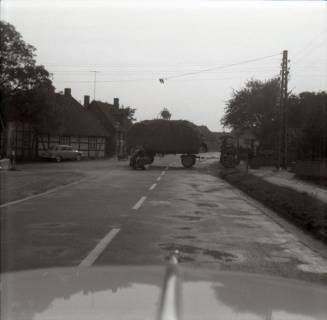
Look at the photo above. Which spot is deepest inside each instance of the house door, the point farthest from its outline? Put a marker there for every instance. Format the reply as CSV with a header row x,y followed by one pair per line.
x,y
110,146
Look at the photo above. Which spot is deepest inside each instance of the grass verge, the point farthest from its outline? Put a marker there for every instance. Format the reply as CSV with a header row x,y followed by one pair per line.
x,y
301,208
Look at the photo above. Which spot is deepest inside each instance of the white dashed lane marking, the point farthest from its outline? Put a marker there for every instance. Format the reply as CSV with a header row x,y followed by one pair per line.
x,y
139,203
153,186
99,248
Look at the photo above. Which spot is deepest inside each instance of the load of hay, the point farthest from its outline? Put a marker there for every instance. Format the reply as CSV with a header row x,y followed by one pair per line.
x,y
165,136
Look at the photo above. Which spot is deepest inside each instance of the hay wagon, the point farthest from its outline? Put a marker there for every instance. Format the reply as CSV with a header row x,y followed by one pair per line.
x,y
163,137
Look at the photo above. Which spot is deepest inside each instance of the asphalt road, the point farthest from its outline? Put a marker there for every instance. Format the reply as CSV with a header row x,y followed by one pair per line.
x,y
119,216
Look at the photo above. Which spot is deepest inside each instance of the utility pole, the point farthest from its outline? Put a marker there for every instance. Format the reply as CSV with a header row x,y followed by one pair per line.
x,y
282,114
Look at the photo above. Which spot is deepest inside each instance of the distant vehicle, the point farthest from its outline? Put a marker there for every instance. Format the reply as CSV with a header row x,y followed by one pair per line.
x,y
149,138
62,152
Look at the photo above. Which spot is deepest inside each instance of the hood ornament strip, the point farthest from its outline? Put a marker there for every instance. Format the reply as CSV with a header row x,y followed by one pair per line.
x,y
170,303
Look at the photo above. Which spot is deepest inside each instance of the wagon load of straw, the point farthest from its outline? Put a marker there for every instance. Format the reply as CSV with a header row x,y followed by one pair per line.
x,y
165,136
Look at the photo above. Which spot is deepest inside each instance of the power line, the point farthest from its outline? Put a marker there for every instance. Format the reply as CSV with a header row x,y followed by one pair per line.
x,y
163,79
147,79
79,74
156,71
309,44
128,66
104,81
300,58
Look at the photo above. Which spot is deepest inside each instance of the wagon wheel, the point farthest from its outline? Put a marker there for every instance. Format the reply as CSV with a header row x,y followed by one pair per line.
x,y
188,161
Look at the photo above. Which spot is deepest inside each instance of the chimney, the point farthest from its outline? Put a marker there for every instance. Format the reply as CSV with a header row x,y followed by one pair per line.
x,y
68,92
86,101
116,103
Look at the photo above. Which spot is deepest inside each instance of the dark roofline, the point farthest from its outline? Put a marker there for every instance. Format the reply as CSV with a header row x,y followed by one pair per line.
x,y
75,120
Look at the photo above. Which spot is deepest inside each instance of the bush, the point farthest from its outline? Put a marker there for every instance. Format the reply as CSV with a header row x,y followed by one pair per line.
x,y
299,207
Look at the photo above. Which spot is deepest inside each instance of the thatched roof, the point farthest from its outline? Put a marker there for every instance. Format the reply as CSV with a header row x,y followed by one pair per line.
x,y
112,117
74,119
104,112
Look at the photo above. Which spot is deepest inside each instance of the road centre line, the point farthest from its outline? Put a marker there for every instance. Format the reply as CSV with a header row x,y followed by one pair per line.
x,y
163,173
139,203
153,186
99,248
159,178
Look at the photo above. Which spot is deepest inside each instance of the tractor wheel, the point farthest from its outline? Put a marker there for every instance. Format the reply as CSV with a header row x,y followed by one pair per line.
x,y
188,161
132,163
203,148
151,159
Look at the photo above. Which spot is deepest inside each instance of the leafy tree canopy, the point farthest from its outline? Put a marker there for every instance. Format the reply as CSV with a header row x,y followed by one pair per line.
x,y
25,87
165,114
253,107
311,113
130,113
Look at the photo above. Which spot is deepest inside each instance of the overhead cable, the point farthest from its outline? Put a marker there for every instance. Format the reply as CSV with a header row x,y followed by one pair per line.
x,y
163,79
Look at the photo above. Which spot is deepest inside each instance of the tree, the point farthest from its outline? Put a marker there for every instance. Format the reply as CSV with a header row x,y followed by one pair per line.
x,y
165,114
254,107
312,112
130,112
21,79
26,89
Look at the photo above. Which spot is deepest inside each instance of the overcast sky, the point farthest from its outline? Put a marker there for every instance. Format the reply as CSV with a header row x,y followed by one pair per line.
x,y
131,44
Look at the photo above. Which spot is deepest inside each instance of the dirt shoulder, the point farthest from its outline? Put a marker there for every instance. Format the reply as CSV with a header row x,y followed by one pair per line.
x,y
300,208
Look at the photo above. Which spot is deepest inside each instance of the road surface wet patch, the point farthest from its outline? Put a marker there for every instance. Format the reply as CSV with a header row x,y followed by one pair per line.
x,y
188,218
186,237
202,213
45,252
195,195
187,250
221,255
243,224
60,229
185,228
207,204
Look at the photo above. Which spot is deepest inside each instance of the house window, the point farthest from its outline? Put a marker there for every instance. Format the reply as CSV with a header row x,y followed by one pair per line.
x,y
64,140
92,143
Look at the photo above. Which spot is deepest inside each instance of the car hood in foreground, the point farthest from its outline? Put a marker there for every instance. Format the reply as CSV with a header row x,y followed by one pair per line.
x,y
134,293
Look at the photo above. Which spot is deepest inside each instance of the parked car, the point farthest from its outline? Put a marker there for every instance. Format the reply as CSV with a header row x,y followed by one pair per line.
x,y
62,152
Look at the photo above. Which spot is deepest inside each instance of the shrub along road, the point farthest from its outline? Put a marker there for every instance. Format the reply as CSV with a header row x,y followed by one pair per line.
x,y
302,208
120,216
